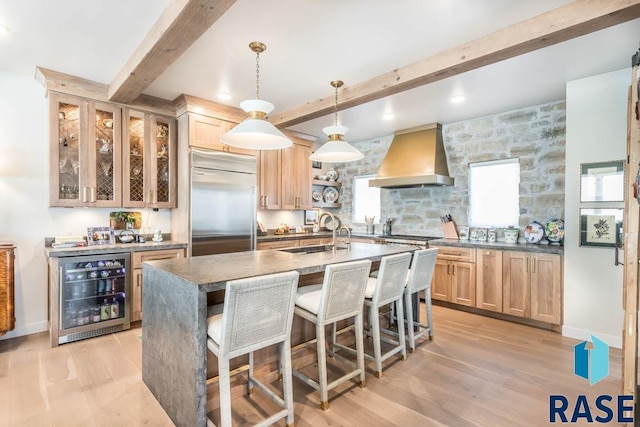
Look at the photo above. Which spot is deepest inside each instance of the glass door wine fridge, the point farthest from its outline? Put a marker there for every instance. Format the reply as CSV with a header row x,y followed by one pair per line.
x,y
95,297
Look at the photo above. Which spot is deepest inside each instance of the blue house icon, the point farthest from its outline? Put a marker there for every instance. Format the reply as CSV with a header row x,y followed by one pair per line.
x,y
591,364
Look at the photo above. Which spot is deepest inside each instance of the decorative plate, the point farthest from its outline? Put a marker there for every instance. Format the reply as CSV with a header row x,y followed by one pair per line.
x,y
554,228
332,175
330,195
328,223
317,196
534,232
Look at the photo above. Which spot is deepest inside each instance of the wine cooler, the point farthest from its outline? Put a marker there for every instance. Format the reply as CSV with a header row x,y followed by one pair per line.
x,y
95,296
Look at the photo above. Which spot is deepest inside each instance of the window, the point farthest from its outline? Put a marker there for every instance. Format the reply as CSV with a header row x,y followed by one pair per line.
x,y
494,193
366,200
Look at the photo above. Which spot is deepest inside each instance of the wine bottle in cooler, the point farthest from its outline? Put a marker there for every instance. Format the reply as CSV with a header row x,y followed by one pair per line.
x,y
115,309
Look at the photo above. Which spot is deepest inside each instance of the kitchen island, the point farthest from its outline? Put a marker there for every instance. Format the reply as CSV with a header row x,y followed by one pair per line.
x,y
174,330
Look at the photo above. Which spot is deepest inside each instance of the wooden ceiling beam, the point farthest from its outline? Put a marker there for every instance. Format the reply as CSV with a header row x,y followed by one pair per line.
x,y
181,23
558,25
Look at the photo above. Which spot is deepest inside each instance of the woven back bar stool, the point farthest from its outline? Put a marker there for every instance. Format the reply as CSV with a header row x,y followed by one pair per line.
x,y
257,313
419,279
339,297
386,289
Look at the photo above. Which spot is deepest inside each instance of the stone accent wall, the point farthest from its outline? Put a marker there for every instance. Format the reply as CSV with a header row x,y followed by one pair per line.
x,y
535,135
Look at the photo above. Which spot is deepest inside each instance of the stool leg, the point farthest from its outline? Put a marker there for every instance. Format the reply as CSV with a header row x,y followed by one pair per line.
x,y
374,320
322,367
410,324
287,382
224,384
427,303
250,382
333,337
359,331
401,339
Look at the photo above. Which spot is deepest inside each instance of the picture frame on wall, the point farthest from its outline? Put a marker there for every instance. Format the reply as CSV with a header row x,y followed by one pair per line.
x,y
602,181
311,216
100,236
600,227
316,165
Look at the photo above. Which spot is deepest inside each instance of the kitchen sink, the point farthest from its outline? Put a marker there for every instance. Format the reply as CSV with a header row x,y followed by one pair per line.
x,y
310,249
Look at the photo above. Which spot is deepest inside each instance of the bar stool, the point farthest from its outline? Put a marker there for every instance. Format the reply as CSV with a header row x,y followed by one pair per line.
x,y
386,289
257,312
339,297
419,279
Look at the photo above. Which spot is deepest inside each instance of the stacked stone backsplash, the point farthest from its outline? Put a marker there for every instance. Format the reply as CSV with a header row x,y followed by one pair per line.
x,y
535,135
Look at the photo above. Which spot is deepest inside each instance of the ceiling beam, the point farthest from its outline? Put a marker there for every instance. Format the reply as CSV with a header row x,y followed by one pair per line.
x,y
558,25
181,23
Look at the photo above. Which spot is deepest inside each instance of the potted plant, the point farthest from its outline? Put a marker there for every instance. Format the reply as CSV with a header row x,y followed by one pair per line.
x,y
122,220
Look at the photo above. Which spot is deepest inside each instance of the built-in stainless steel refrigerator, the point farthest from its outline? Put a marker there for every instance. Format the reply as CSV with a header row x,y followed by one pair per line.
x,y
223,202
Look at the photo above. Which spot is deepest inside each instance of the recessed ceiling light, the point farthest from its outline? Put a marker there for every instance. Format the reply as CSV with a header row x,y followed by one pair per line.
x,y
223,96
388,116
4,30
457,99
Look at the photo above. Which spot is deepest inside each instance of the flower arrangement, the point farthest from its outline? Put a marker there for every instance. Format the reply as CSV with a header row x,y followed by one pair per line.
x,y
120,219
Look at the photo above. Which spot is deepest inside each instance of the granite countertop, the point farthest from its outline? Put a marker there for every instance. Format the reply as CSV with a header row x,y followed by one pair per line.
x,y
110,249
202,270
295,236
521,247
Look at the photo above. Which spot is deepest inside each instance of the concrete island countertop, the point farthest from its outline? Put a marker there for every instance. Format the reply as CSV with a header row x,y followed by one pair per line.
x,y
112,249
174,325
542,248
213,271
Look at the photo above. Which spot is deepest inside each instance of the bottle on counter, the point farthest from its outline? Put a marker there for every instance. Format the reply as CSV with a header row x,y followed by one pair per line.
x,y
115,309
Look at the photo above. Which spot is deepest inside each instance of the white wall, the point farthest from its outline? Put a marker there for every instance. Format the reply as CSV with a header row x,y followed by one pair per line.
x,y
25,217
596,132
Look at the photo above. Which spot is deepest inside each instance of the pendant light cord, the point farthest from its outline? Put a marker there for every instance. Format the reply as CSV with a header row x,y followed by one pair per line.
x,y
258,75
336,108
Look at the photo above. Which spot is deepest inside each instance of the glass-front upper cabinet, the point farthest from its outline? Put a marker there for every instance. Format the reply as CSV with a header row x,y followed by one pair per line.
x,y
150,161
85,167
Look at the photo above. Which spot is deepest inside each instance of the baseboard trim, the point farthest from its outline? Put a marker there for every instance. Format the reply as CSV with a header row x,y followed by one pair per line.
x,y
582,334
31,328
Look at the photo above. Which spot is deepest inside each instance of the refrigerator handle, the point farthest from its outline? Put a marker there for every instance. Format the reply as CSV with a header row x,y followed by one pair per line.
x,y
254,223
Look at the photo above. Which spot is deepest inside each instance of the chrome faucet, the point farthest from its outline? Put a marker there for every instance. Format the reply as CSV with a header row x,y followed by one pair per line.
x,y
333,232
347,240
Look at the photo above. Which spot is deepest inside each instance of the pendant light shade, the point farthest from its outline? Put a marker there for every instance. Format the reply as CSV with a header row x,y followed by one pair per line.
x,y
255,132
336,150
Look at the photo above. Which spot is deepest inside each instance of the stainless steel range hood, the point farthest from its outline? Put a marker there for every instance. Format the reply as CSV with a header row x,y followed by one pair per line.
x,y
416,158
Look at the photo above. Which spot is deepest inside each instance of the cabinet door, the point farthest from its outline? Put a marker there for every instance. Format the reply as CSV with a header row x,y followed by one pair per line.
x,y
136,312
149,169
85,153
205,132
516,288
463,283
546,288
489,280
441,282
162,163
270,169
304,175
289,178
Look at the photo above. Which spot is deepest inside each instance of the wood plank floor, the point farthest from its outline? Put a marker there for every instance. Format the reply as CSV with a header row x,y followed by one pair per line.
x,y
478,371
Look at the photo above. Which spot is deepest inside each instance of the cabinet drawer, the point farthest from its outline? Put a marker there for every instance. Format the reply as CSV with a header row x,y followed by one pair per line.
x,y
291,243
457,254
140,257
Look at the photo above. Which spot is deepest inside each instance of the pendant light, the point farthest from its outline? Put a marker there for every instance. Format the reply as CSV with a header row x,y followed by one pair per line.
x,y
336,150
255,132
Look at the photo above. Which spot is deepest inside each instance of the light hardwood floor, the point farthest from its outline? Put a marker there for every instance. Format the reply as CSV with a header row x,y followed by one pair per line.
x,y
478,371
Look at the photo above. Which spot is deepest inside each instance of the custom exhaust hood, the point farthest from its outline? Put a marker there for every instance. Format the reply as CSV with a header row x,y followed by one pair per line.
x,y
416,158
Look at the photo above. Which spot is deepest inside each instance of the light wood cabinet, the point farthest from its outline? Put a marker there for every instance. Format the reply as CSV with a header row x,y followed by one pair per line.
x,y
85,152
532,286
489,280
285,177
546,288
454,277
138,259
149,170
7,283
206,132
270,178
